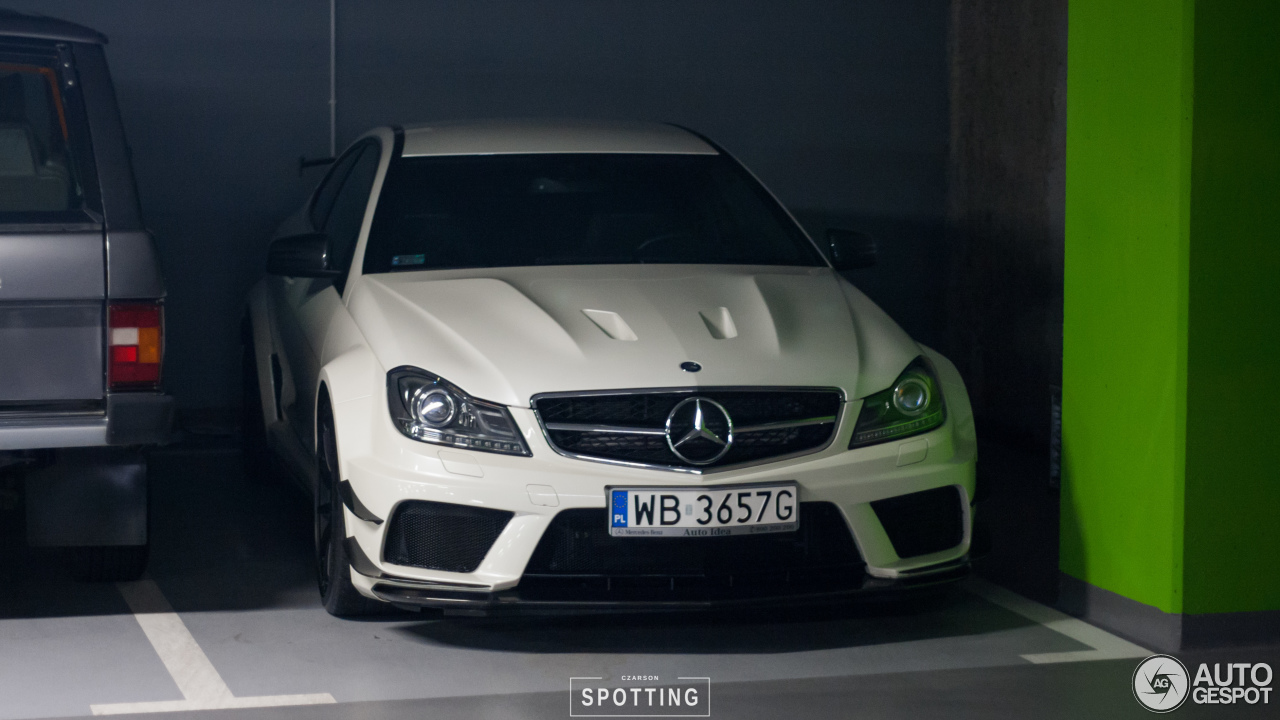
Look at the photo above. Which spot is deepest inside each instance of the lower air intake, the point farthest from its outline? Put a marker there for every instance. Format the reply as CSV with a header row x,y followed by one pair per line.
x,y
442,536
923,522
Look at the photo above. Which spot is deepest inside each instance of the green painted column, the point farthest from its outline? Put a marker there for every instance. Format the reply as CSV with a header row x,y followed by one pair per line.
x,y
1232,516
1170,333
1125,296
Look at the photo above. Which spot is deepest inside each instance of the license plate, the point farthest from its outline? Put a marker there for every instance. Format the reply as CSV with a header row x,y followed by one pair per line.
x,y
703,512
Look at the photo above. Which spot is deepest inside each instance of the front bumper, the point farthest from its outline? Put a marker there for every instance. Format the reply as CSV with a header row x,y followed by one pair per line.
x,y
385,469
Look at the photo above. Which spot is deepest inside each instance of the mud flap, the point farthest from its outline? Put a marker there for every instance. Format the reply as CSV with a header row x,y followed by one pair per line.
x,y
88,497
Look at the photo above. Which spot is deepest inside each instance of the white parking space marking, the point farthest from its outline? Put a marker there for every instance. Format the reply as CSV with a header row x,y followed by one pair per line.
x,y
1105,645
161,706
201,686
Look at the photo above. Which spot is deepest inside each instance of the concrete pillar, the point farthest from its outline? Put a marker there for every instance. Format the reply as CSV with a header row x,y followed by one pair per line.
x,y
1171,334
1004,295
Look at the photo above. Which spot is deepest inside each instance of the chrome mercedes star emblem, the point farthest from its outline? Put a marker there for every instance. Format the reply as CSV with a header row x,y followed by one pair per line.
x,y
703,428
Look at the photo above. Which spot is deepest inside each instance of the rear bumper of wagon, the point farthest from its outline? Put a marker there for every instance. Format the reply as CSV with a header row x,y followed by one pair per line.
x,y
124,419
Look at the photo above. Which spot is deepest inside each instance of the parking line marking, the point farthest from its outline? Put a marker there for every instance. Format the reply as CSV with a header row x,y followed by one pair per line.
x,y
1105,646
229,703
194,675
201,686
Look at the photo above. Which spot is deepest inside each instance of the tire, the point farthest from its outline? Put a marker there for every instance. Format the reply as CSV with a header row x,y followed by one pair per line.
x,y
107,564
255,455
333,569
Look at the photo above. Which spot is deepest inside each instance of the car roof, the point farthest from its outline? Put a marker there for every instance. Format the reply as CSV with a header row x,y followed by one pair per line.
x,y
503,137
16,24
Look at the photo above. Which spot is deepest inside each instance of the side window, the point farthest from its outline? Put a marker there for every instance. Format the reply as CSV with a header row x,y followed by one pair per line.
x,y
37,174
347,214
329,187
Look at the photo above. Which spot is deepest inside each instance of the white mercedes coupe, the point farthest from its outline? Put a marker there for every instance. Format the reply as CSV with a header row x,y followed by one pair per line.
x,y
558,367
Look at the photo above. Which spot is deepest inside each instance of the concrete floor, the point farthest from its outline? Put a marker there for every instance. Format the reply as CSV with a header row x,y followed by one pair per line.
x,y
229,618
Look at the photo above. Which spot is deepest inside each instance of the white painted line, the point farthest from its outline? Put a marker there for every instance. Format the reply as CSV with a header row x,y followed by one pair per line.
x,y
1105,645
195,676
1074,656
219,704
201,686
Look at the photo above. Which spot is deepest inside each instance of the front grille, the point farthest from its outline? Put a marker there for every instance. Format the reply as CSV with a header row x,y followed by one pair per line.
x,y
629,427
442,536
578,558
923,522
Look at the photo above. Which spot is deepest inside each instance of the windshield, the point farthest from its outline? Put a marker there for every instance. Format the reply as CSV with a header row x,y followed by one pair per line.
x,y
577,209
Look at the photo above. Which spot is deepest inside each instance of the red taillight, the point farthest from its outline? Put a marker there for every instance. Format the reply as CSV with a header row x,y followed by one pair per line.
x,y
136,340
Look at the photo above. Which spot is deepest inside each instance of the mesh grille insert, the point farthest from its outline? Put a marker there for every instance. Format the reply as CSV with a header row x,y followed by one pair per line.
x,y
578,543
923,522
442,536
578,559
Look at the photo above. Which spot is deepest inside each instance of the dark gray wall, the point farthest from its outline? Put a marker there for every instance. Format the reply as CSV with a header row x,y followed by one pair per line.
x,y
841,107
1006,205
1004,301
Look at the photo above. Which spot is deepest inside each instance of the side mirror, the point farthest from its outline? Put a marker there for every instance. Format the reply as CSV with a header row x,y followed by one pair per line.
x,y
305,255
850,249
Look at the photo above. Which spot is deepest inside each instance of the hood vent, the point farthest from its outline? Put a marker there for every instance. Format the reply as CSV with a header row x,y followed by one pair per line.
x,y
719,323
612,324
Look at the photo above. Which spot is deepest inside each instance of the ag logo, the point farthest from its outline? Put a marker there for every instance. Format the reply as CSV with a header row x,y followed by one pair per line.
x,y
1160,683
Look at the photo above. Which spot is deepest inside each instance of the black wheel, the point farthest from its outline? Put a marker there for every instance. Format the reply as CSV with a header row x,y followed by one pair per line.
x,y
107,564
255,456
333,568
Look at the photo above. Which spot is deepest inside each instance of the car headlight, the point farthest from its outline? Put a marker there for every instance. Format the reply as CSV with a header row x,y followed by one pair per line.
x,y
913,405
430,409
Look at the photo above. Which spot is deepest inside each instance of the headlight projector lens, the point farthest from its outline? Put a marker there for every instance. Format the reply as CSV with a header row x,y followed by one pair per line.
x,y
435,407
430,409
912,405
911,396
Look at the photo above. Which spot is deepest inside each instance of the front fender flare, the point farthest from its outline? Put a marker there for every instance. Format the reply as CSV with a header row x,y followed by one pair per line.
x,y
354,382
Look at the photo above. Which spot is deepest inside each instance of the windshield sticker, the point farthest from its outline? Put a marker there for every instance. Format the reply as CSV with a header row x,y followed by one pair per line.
x,y
400,260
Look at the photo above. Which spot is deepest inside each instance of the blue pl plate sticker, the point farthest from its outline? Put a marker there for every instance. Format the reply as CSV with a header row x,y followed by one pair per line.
x,y
397,260
619,508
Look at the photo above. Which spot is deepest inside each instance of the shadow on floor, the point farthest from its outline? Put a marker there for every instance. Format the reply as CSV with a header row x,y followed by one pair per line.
x,y
1021,514
217,543
220,543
